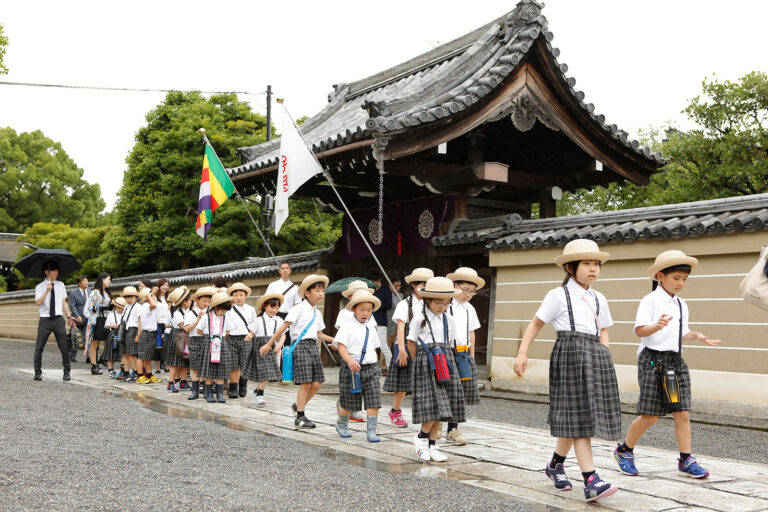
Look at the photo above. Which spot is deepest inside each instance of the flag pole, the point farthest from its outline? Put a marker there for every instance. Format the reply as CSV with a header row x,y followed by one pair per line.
x,y
240,198
343,204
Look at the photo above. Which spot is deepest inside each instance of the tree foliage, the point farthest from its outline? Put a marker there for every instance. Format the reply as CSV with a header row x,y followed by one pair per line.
x,y
40,183
3,46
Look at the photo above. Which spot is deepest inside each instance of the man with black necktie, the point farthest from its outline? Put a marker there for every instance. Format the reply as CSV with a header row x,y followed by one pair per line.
x,y
51,300
77,299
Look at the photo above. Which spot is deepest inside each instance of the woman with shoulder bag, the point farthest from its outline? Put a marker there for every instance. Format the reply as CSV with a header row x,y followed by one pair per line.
x,y
96,307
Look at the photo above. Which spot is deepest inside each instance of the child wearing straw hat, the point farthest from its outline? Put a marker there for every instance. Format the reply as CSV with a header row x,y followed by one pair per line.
x,y
467,282
241,315
112,345
215,327
400,372
264,368
357,342
129,348
306,325
202,299
583,391
430,334
179,301
147,335
662,326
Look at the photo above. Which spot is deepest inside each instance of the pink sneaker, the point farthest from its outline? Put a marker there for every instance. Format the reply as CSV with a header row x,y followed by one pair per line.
x,y
397,419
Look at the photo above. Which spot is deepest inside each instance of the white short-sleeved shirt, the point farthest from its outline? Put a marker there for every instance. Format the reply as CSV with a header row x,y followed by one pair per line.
x,y
272,324
651,307
401,310
114,318
131,314
60,294
221,324
300,316
238,327
345,316
291,296
352,335
148,319
178,318
554,309
466,320
416,331
190,318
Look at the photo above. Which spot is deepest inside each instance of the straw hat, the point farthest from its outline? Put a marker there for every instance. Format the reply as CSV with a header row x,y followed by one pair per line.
x,y
178,295
241,287
363,296
670,259
467,274
439,288
353,287
309,281
205,291
267,296
120,302
219,298
579,250
130,291
144,295
420,274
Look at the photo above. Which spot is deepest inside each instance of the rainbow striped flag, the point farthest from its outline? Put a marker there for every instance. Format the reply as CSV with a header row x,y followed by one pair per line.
x,y
215,188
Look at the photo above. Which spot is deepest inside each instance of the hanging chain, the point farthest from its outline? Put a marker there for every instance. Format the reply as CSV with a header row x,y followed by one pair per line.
x,y
381,202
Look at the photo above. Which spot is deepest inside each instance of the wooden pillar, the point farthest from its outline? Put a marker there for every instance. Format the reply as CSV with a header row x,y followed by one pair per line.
x,y
460,208
547,205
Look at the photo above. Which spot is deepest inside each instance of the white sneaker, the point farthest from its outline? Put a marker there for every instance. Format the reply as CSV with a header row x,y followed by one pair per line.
x,y
358,416
422,448
259,400
436,455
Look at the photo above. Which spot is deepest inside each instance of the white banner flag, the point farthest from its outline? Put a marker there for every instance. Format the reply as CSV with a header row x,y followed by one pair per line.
x,y
297,164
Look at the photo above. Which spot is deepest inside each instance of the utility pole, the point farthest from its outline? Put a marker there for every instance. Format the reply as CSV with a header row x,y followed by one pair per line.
x,y
265,202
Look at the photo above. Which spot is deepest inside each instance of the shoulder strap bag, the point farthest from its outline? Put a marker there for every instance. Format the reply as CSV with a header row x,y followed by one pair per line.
x,y
355,384
288,351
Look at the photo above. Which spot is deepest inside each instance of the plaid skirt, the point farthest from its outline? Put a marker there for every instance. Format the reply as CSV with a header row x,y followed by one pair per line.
x,y
262,368
241,350
650,401
226,364
146,345
172,358
399,378
583,391
131,347
110,354
370,395
433,401
307,366
196,349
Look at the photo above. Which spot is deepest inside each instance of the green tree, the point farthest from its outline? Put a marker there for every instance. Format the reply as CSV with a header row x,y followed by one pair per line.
x,y
3,45
40,183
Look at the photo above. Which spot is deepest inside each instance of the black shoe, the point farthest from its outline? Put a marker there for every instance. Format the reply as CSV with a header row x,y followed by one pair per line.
x,y
209,393
95,370
38,375
232,391
294,408
243,388
304,422
72,359
220,394
195,391
66,374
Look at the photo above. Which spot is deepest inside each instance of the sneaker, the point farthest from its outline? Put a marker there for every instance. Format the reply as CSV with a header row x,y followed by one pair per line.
x,y
558,477
184,386
143,380
436,455
155,380
626,462
358,416
112,374
596,489
259,399
455,437
119,375
304,422
689,467
422,448
133,378
397,419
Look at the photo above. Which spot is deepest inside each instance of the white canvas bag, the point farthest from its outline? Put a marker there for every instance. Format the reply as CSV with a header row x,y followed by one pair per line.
x,y
754,287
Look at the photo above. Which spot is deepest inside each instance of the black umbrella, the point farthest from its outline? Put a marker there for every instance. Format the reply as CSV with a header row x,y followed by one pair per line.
x,y
33,265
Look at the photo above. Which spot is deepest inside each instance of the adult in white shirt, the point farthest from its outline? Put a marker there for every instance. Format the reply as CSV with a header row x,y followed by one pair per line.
x,y
51,300
286,288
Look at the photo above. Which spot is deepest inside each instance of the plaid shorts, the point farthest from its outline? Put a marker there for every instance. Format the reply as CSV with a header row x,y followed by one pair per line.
x,y
196,349
241,350
307,366
650,401
583,391
131,347
262,368
433,401
399,378
146,350
227,362
370,395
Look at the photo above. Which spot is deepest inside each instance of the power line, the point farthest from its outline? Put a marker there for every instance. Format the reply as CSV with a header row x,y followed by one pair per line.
x,y
97,88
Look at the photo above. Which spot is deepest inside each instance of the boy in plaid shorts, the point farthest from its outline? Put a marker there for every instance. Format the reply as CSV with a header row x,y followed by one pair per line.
x,y
662,326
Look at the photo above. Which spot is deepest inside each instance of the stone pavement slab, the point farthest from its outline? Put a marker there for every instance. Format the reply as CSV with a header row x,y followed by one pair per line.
x,y
503,458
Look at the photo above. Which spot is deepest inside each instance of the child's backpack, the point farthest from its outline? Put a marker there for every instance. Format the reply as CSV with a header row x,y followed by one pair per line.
x,y
754,287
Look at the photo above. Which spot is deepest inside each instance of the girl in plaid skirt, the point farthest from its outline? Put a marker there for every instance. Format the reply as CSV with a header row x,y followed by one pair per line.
x,y
583,391
264,368
357,341
114,318
434,403
128,347
180,302
215,327
242,315
202,299
662,326
147,335
400,372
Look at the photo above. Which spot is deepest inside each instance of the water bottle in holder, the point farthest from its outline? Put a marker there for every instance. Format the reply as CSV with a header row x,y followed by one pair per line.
x,y
670,389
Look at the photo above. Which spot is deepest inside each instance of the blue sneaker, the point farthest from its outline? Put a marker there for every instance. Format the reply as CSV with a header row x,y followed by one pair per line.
x,y
557,475
626,462
689,467
596,489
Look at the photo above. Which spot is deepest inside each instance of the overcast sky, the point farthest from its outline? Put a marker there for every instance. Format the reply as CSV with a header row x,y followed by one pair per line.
x,y
638,62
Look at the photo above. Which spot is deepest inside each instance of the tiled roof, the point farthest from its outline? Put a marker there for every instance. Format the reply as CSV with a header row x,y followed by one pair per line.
x,y
701,218
249,269
432,86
